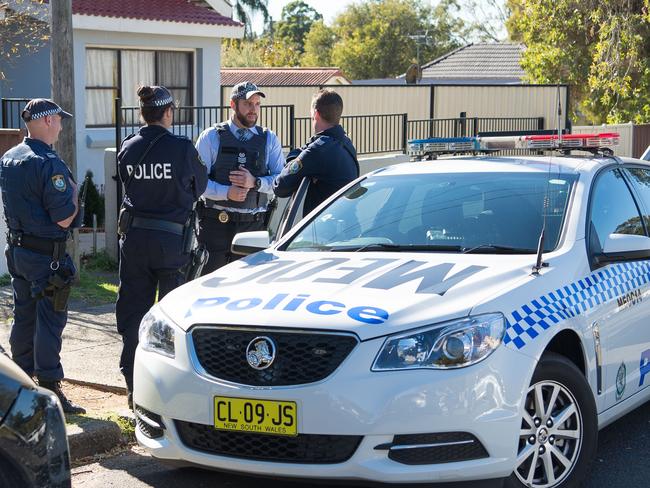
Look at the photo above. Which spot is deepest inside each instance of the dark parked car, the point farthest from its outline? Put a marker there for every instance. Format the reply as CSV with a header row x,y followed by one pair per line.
x,y
33,443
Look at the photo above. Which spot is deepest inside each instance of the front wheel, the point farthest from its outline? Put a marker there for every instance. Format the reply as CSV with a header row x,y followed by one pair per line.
x,y
559,427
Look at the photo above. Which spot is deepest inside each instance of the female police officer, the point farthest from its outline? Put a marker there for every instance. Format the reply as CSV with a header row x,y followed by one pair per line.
x,y
163,177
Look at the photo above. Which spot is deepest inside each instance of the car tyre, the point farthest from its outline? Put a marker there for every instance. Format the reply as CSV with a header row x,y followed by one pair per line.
x,y
559,428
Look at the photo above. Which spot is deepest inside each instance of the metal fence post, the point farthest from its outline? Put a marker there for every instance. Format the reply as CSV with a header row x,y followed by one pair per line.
x,y
405,122
4,113
292,127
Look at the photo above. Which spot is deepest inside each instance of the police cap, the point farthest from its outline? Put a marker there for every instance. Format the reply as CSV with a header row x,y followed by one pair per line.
x,y
42,107
245,90
161,97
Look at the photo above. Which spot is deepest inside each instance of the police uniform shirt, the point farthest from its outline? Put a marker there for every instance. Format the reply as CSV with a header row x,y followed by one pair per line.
x,y
328,159
168,181
36,189
208,146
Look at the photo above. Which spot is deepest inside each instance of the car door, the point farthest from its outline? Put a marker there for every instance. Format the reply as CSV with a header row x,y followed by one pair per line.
x,y
621,319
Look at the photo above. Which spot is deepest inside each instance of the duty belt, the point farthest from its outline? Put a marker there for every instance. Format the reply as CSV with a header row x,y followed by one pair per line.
x,y
157,224
224,216
51,247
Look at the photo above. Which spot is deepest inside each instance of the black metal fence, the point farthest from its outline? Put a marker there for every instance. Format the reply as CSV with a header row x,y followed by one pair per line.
x,y
370,134
470,126
11,110
191,121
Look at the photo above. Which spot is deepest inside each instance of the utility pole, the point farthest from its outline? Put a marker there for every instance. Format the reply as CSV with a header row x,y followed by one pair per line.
x,y
62,72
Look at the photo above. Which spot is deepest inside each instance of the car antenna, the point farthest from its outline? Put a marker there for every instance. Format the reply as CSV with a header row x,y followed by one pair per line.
x,y
539,263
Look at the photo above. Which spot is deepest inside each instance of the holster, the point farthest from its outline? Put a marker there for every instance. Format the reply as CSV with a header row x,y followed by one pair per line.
x,y
198,258
124,221
189,233
58,288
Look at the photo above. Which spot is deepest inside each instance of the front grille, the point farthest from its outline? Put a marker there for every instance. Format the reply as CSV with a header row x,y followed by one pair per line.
x,y
300,357
454,447
304,448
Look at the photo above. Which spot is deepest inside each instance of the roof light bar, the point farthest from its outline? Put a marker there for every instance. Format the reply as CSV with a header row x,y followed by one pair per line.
x,y
450,145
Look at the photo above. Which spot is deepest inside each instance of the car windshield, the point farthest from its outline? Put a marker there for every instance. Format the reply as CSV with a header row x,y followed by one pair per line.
x,y
489,213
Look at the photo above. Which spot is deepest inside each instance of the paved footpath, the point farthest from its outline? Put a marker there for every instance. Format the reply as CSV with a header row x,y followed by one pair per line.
x,y
91,344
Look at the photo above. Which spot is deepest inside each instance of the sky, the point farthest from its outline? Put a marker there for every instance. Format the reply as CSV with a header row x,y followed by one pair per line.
x,y
328,8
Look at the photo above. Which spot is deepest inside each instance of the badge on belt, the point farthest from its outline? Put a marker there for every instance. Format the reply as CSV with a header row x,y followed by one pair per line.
x,y
223,217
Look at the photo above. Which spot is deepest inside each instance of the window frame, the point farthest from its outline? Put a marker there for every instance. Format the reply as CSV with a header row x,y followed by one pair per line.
x,y
593,265
191,53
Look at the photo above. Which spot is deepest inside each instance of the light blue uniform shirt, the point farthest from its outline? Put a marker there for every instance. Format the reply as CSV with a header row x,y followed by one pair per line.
x,y
208,147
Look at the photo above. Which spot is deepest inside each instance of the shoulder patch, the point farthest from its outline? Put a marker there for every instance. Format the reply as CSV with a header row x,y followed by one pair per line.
x,y
58,181
295,166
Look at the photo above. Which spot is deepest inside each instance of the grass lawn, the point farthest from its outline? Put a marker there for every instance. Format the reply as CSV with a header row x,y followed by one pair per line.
x,y
98,280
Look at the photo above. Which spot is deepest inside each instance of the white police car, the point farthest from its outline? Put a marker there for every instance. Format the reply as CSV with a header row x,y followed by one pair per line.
x,y
475,318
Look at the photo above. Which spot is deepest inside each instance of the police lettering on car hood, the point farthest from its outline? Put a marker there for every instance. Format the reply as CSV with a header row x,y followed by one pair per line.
x,y
371,294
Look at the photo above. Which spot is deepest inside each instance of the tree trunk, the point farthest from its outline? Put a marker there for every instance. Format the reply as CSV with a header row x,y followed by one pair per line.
x,y
62,69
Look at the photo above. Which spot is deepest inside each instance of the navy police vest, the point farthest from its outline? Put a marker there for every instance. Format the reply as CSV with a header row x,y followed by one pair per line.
x,y
232,153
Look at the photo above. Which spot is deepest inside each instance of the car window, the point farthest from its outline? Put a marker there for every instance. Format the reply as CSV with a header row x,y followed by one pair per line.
x,y
459,209
641,180
613,210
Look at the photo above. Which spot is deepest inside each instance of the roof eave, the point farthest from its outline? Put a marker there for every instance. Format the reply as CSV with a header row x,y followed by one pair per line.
x,y
139,26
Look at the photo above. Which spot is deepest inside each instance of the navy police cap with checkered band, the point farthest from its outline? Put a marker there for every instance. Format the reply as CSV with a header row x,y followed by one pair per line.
x,y
245,90
41,107
161,97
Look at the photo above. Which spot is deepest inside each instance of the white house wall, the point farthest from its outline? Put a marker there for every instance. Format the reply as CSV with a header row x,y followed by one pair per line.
x,y
91,142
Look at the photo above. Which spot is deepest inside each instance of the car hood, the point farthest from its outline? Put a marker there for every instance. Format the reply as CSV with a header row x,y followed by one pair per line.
x,y
371,293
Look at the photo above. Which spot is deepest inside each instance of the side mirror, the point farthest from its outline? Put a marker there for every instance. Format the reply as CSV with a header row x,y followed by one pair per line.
x,y
246,243
623,247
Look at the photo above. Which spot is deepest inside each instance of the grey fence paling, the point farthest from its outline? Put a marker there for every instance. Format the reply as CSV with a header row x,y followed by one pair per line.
x,y
11,110
370,134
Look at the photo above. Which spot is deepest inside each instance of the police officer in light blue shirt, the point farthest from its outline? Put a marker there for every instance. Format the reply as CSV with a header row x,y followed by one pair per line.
x,y
243,159
39,196
163,177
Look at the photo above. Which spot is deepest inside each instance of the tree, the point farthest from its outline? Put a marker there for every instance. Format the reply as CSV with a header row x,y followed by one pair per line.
x,y
600,47
318,45
22,31
295,22
240,54
373,36
244,9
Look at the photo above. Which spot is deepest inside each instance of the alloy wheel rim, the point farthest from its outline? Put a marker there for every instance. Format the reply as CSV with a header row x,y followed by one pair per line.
x,y
550,437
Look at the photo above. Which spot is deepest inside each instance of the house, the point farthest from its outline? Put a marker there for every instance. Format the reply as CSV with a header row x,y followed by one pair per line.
x,y
284,76
497,63
119,45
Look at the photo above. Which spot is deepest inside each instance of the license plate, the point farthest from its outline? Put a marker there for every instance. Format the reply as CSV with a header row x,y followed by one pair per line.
x,y
256,416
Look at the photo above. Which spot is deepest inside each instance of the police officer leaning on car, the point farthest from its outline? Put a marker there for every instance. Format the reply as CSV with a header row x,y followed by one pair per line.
x,y
163,177
243,159
329,159
39,195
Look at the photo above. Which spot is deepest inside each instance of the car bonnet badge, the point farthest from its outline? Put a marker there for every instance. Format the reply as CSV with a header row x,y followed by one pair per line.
x,y
260,352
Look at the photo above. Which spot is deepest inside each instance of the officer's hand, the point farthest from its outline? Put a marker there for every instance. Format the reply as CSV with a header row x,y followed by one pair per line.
x,y
237,193
242,177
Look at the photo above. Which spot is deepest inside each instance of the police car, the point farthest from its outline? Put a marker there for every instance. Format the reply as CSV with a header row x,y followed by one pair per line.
x,y
473,318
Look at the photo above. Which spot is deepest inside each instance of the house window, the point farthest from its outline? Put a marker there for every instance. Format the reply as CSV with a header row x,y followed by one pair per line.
x,y
111,73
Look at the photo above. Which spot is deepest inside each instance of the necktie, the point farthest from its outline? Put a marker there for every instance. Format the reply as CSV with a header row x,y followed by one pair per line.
x,y
242,134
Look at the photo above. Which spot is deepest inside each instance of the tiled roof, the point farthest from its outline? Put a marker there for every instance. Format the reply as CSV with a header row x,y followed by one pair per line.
x,y
493,60
280,76
183,11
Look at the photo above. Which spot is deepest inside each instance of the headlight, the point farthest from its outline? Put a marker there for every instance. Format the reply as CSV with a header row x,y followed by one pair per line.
x,y
157,334
453,344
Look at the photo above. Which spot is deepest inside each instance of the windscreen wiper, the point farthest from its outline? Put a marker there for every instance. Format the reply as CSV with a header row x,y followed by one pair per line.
x,y
383,246
496,249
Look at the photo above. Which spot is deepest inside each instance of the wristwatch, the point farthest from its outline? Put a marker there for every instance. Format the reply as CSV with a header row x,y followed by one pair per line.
x,y
258,184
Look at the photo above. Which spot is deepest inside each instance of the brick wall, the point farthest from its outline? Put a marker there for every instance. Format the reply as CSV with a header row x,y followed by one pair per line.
x,y
9,138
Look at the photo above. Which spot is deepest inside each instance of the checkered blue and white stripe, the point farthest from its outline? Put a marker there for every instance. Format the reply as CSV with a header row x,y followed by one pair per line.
x,y
529,321
164,101
38,115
